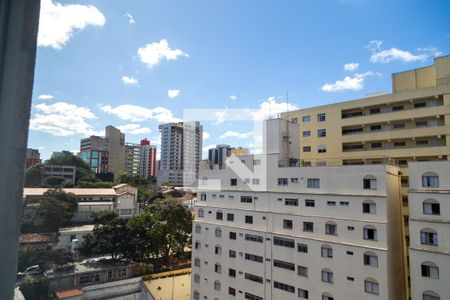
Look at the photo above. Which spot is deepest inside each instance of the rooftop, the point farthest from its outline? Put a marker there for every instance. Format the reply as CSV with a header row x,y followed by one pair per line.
x,y
69,293
30,238
73,229
76,191
174,285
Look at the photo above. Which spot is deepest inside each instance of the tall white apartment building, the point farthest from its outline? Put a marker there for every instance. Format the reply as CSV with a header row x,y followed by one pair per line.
x,y
264,230
429,226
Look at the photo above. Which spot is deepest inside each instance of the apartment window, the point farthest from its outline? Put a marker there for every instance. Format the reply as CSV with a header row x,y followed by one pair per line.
x,y
376,145
430,270
370,233
254,238
344,203
307,149
349,252
255,181
321,117
421,142
376,110
197,245
219,215
370,183
291,202
198,229
302,248
202,197
326,251
232,272
310,203
308,226
232,235
327,276
371,286
218,232
331,228
302,271
375,128
369,207
233,181
254,278
430,295
197,262
321,133
421,123
230,217
294,180
246,199
284,242
331,203
201,213
430,180
371,259
218,268
217,285
313,183
400,144
196,278
306,133
321,149
196,295
232,254
287,224
326,296
420,104
302,293
397,108
306,119
231,291
217,250
253,257
282,181
431,207
249,219
428,237
284,265
284,287
398,125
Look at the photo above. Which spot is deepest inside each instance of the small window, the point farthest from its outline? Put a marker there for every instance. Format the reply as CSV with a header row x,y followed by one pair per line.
x,y
198,229
344,203
420,104
430,295
398,125
294,180
231,291
197,245
421,142
306,119
202,197
232,272
327,276
255,181
331,203
430,270
321,149
400,144
233,181
230,217
321,117
219,215
428,237
431,207
303,294
370,233
218,268
196,295
218,250
246,199
371,259
313,183
218,232
307,149
197,262
232,254
330,228
217,285
256,162
375,110
302,271
321,133
201,213
430,180
308,226
196,278
249,219
310,203
282,181
232,235
326,251
287,224
376,145
371,286
302,248
370,183
397,108
291,202
369,207
421,123
306,133
375,128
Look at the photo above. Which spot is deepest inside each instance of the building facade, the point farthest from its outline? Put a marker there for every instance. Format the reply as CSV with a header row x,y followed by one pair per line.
x,y
148,164
67,172
263,231
33,157
219,154
132,158
429,225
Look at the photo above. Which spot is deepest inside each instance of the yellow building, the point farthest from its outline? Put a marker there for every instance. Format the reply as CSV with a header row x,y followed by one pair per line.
x,y
411,124
239,151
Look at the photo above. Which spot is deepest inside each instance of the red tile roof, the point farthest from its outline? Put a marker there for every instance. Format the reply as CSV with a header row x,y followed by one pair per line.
x,y
67,293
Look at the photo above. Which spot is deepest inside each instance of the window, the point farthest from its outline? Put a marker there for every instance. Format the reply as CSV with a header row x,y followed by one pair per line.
x,y
370,183
371,286
371,259
254,278
232,272
431,207
430,180
306,133
344,203
256,162
217,250
397,108
291,202
308,226
253,257
249,219
217,285
197,245
218,268
294,180
307,149
321,117
302,271
231,291
302,293
198,229
246,180
326,296
246,199
232,254
321,133
326,251
327,276
233,181
202,197
218,232
429,270
430,295
279,241
331,203
196,295
201,213
313,183
287,224
283,265
376,145
306,119
232,235
375,128
321,149
421,123
302,248
196,278
284,287
370,233
421,142
255,181
428,237
219,215
369,207
420,104
331,228
282,181
310,203
398,125
254,238
197,262
349,252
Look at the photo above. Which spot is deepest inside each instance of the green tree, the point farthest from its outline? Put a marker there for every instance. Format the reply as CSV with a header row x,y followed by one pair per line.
x,y
35,288
55,182
33,176
144,247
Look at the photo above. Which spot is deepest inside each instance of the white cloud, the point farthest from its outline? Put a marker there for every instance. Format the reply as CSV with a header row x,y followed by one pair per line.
x,y
354,83
128,80
173,93
233,97
133,129
220,116
130,18
206,148
62,119
59,22
394,54
137,113
237,135
351,67
45,97
206,135
270,107
153,53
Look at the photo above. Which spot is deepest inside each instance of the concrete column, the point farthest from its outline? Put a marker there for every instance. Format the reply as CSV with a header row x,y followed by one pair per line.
x,y
18,33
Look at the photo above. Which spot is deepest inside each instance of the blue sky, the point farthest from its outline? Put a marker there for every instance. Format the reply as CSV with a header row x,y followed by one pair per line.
x,y
116,62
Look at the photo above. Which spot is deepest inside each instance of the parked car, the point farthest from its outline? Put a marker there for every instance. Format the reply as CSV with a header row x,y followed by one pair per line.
x,y
36,269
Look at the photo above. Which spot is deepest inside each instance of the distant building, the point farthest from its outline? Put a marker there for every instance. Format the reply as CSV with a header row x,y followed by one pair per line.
x,y
67,172
33,157
239,151
181,148
205,164
71,236
56,154
133,158
148,163
219,154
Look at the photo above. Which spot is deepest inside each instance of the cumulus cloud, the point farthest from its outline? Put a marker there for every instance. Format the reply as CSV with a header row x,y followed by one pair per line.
x,y
137,113
45,97
270,107
133,129
394,54
233,97
220,116
353,83
130,18
153,53
173,93
237,135
128,80
62,119
206,135
351,67
58,22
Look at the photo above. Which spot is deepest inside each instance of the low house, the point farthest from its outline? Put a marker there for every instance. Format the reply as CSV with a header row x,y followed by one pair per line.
x,y
71,237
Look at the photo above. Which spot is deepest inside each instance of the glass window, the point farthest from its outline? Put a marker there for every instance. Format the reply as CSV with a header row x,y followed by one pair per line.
x,y
249,219
308,226
302,248
428,237
306,133
307,149
291,202
313,183
369,207
321,117
371,286
431,207
306,119
370,233
282,181
429,270
370,259
302,271
327,276
287,224
326,251
303,293
430,180
321,148
321,133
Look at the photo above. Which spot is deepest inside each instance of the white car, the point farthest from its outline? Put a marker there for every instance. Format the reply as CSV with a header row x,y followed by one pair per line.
x,y
36,269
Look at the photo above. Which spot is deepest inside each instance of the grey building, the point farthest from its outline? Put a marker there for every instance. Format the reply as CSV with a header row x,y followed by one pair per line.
x,y
132,158
67,172
219,154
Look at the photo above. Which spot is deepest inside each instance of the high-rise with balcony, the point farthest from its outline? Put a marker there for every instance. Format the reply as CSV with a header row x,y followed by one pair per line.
x,y
133,158
219,154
